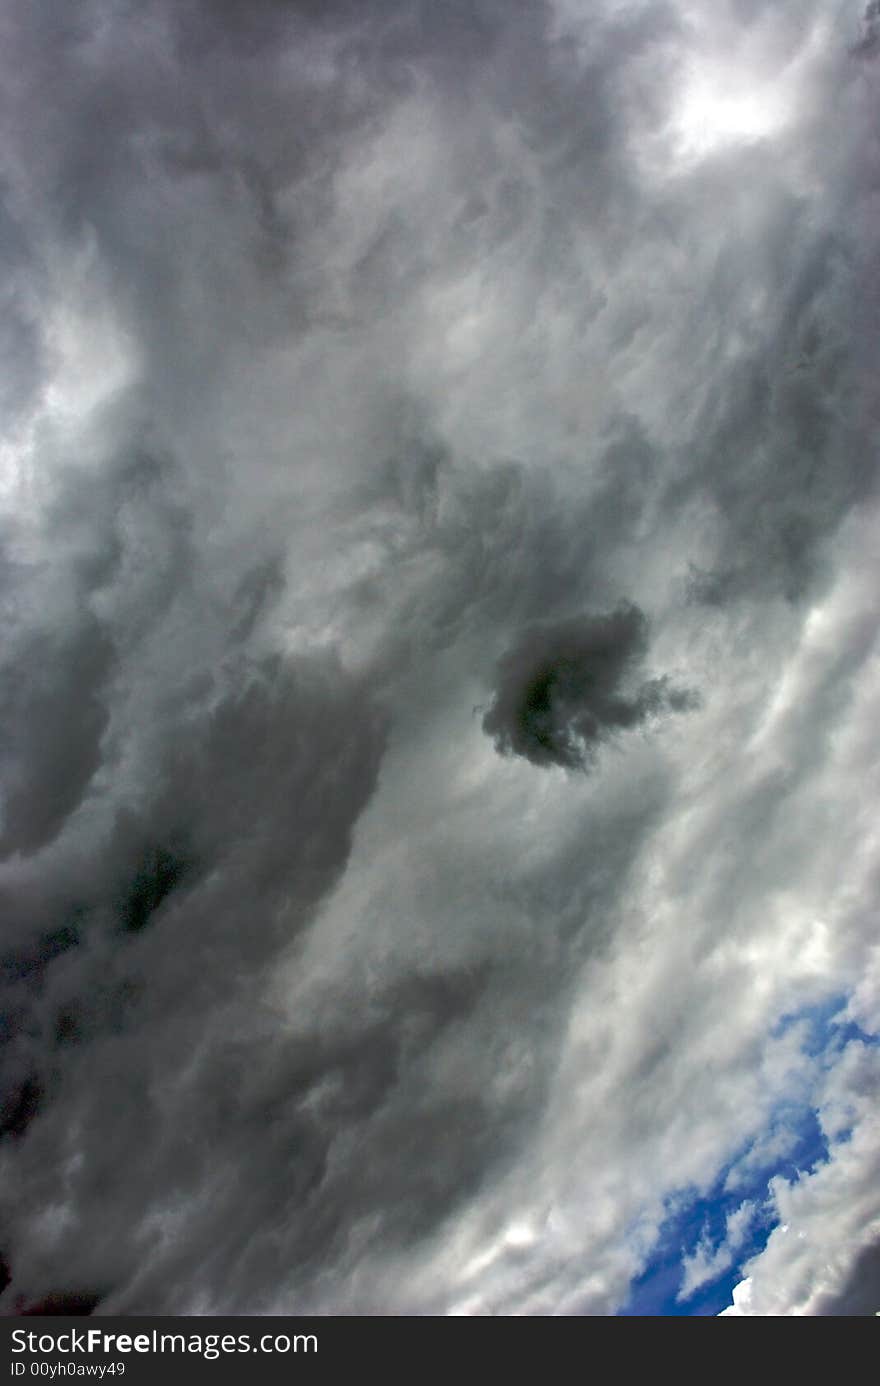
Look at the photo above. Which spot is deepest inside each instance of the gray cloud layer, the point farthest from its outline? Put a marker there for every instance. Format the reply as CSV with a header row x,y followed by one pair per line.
x,y
365,366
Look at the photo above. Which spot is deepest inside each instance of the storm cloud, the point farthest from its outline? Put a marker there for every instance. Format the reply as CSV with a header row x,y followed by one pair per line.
x,y
439,670
561,690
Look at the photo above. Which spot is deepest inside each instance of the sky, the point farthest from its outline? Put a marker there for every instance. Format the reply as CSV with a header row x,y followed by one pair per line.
x,y
439,862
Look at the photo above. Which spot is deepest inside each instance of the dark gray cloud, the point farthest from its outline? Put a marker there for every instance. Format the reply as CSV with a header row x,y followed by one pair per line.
x,y
22,342
868,46
563,689
860,1295
53,722
359,358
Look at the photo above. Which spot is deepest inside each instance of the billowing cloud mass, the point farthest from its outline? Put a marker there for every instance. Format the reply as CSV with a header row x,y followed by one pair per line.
x,y
440,675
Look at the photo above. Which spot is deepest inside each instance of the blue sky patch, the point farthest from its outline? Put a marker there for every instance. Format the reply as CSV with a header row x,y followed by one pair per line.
x,y
793,1144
